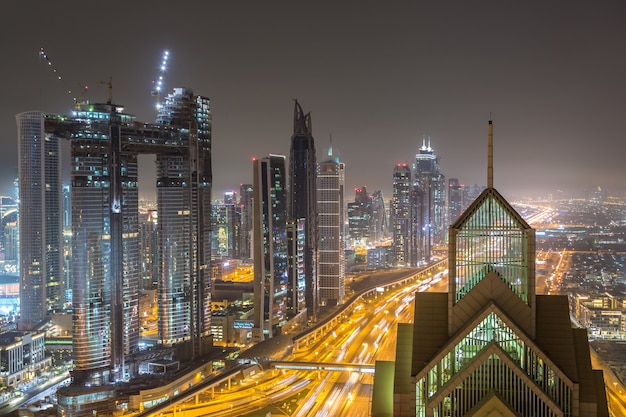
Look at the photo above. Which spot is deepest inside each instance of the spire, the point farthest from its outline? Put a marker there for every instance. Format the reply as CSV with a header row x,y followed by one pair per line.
x,y
301,121
490,155
330,148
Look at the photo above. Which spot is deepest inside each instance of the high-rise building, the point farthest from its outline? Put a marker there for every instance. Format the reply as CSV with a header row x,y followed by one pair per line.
x,y
303,200
9,233
296,303
401,215
230,197
246,194
455,199
490,346
67,245
225,231
270,246
105,143
40,220
432,223
149,249
379,227
331,246
360,217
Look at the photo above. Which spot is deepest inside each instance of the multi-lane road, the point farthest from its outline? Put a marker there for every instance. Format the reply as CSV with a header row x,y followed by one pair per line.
x,y
368,335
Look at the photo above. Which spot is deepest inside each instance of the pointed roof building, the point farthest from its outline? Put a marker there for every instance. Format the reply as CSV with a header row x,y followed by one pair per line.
x,y
490,346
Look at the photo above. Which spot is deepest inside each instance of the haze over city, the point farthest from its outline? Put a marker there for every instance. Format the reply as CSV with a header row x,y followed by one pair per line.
x,y
378,77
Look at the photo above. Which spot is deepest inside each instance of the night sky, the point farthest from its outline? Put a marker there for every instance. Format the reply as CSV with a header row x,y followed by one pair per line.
x,y
377,76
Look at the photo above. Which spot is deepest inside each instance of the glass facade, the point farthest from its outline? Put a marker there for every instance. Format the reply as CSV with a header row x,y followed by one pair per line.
x,y
40,220
271,263
491,239
331,265
493,356
401,213
303,200
106,269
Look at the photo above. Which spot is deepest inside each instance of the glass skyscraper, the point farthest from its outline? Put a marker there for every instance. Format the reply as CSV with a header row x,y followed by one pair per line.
x,y
303,201
106,272
270,246
331,218
430,227
401,216
40,220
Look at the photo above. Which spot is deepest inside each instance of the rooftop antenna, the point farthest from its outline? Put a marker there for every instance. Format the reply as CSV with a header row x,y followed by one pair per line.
x,y
157,84
330,148
490,155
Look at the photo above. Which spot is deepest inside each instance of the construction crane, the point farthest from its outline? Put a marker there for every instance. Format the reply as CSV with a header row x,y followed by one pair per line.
x,y
157,84
83,88
109,84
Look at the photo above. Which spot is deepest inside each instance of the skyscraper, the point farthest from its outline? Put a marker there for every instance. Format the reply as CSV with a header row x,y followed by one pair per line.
x,y
379,217
270,246
331,264
490,346
105,143
401,212
360,217
40,220
246,193
225,231
455,199
432,199
303,200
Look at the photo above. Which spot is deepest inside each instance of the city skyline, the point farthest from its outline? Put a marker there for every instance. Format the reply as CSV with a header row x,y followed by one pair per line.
x,y
379,78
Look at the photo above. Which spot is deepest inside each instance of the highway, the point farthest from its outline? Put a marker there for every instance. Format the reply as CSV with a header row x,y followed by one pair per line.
x,y
367,336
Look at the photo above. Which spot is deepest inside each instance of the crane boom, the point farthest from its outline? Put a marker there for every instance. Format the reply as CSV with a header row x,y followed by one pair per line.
x,y
83,88
157,84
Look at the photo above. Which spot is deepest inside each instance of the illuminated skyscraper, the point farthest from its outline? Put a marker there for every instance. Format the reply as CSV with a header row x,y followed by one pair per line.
x,y
455,199
360,217
106,272
246,193
225,231
401,213
490,346
40,220
431,199
331,264
303,200
270,246
379,217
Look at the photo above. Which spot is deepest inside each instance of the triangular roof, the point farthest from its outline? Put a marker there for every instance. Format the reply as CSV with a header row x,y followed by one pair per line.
x,y
490,194
510,323
493,350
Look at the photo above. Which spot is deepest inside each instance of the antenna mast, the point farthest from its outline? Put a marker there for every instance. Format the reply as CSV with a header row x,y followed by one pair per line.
x,y
490,155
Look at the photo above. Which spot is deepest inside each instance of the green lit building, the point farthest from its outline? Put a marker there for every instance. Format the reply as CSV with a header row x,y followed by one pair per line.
x,y
490,346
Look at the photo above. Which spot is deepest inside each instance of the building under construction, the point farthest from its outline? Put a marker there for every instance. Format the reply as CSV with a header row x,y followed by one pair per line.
x,y
105,144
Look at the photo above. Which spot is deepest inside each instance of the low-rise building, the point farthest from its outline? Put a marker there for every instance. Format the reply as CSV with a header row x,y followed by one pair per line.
x,y
22,357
